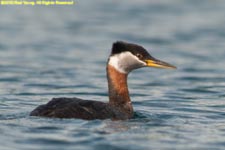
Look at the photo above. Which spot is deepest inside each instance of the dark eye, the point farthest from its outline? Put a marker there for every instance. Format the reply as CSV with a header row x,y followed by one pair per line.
x,y
139,56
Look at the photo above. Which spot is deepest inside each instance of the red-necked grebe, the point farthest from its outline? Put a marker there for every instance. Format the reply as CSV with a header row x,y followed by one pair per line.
x,y
124,58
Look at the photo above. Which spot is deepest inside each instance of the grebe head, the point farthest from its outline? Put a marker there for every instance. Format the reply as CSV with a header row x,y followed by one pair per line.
x,y
126,57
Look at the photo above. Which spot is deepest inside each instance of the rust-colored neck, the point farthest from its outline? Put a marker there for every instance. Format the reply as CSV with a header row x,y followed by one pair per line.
x,y
118,91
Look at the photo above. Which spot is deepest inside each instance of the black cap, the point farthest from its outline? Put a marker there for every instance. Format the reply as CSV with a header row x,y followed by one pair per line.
x,y
137,50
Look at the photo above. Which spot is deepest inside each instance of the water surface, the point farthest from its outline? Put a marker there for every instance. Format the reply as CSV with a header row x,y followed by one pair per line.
x,y
48,52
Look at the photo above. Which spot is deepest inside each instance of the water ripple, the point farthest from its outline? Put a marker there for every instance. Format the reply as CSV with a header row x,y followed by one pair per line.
x,y
64,52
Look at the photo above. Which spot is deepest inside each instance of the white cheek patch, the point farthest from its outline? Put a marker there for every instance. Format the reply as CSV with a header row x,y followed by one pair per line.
x,y
125,62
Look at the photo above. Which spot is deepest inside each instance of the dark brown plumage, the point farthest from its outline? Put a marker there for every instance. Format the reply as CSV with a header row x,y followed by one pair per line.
x,y
74,108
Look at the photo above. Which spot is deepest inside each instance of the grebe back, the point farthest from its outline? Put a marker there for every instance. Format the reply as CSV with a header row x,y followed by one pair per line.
x,y
124,58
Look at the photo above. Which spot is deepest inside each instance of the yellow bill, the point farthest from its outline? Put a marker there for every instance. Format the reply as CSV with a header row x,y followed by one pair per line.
x,y
158,64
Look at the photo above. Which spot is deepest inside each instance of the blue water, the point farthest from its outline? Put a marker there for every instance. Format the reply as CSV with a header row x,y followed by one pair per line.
x,y
57,51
